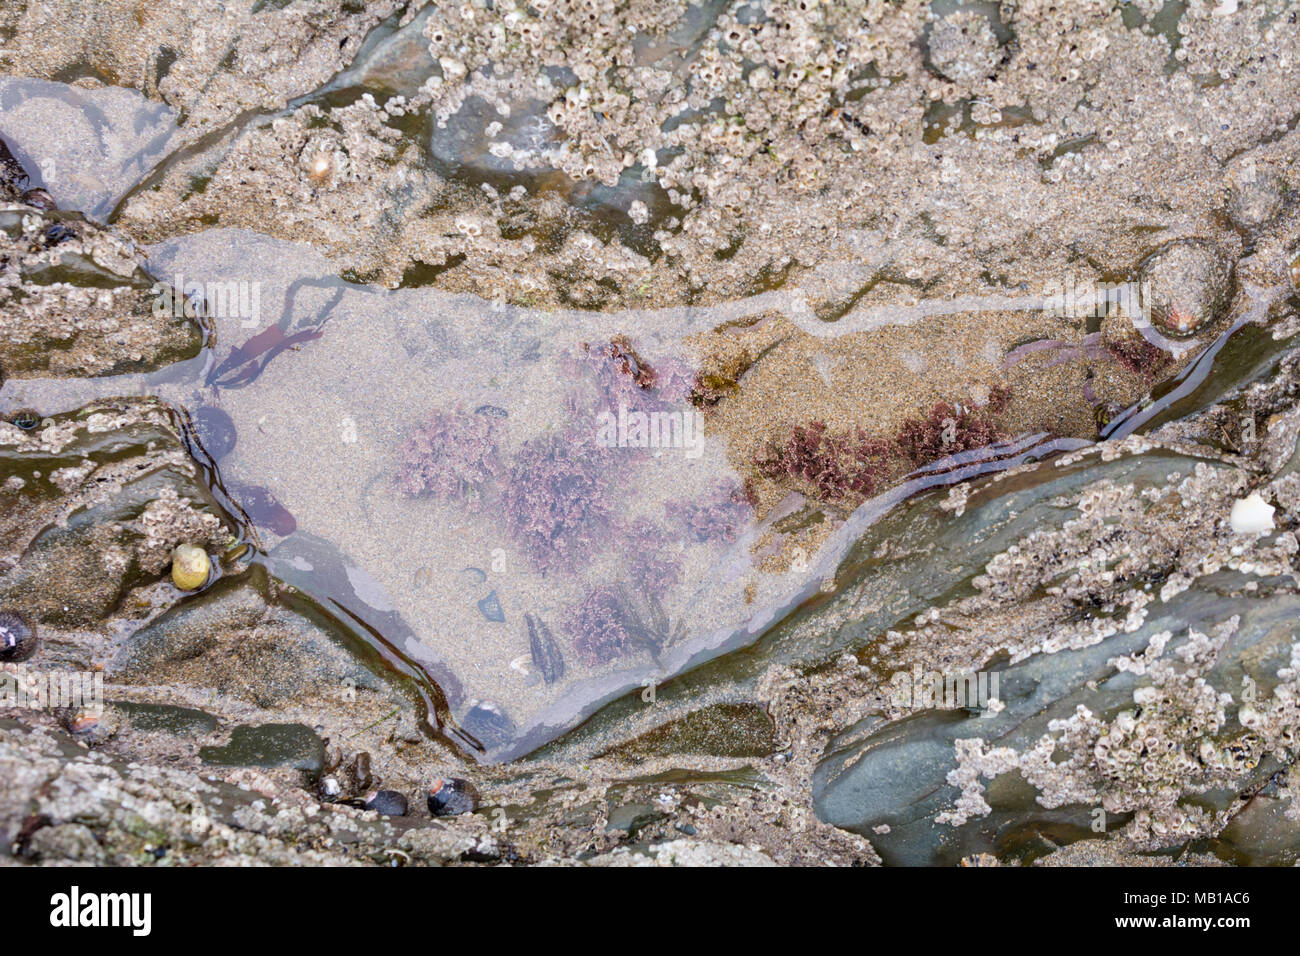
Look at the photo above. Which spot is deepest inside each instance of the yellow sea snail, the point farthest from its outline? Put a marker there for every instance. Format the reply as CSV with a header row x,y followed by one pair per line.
x,y
191,567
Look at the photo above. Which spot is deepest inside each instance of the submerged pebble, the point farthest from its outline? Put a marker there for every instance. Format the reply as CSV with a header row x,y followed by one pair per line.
x,y
216,431
490,607
545,652
452,797
191,567
265,511
17,638
488,724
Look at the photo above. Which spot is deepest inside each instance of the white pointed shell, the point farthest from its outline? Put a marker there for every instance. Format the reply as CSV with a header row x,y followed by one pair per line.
x,y
1251,515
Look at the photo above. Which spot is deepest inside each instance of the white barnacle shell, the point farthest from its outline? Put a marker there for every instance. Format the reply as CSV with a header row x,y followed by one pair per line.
x,y
1251,515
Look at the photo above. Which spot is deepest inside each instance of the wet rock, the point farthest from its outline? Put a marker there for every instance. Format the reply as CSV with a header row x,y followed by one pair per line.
x,y
66,843
1265,832
237,638
452,797
941,785
1190,285
518,148
48,781
270,746
489,724
167,719
631,818
87,145
100,510
461,147
17,638
72,577
391,59
76,300
720,730
215,430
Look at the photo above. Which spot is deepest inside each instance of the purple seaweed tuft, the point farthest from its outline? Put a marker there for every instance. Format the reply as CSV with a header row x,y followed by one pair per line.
x,y
1139,356
947,430
721,515
839,467
599,627
653,566
623,378
557,499
451,456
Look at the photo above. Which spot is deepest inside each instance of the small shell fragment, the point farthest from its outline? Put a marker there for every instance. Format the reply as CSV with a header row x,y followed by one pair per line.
x,y
1251,515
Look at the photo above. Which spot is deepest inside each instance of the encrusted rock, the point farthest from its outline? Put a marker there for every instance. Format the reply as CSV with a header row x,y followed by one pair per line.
x,y
1190,285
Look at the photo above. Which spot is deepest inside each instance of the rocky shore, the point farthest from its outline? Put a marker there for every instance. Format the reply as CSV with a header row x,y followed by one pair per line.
x,y
988,314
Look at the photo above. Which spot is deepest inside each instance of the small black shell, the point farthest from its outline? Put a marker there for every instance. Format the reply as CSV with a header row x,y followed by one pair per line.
x,y
452,797
17,638
59,233
26,419
546,653
388,803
